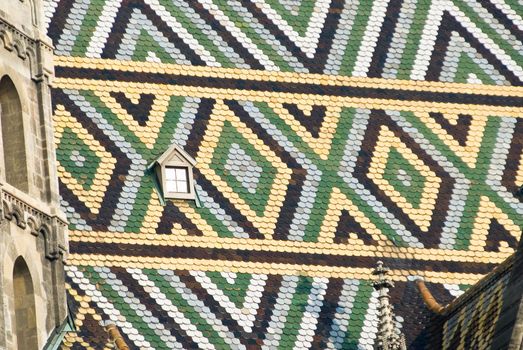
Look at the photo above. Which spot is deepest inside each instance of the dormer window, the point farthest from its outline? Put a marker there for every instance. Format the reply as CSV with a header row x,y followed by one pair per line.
x,y
173,171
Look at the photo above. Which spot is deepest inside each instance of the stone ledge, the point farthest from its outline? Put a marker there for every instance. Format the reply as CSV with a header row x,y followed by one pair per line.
x,y
30,214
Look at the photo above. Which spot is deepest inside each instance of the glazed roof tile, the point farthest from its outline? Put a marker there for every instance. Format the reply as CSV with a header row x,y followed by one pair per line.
x,y
327,136
491,305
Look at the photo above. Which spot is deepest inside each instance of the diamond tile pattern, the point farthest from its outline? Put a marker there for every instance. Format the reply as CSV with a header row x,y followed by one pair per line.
x,y
328,135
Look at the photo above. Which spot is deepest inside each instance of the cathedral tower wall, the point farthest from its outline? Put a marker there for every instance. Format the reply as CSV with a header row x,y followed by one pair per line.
x,y
32,228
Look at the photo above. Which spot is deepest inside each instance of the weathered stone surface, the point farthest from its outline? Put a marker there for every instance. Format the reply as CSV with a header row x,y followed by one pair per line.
x,y
32,228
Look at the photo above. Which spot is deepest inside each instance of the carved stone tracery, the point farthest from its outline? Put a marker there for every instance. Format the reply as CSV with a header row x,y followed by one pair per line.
x,y
389,336
36,222
28,48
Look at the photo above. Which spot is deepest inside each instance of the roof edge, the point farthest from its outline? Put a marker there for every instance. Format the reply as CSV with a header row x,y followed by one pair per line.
x,y
486,280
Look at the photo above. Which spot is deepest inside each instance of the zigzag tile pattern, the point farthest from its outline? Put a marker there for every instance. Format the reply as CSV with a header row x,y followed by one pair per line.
x,y
310,187
442,40
310,166
481,317
481,312
192,309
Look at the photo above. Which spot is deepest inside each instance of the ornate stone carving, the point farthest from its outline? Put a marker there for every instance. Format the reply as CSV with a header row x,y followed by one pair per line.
x,y
27,48
36,222
388,337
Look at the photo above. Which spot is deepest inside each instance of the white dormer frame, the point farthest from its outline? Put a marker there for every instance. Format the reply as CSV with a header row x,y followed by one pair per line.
x,y
174,157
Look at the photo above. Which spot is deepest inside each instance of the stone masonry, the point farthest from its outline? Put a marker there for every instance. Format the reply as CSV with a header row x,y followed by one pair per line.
x,y
31,225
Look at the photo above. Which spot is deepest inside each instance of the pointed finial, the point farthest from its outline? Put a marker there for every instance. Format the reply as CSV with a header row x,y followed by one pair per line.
x,y
388,337
383,281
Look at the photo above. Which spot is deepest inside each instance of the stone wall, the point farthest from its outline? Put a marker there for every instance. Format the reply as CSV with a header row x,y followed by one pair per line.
x,y
31,225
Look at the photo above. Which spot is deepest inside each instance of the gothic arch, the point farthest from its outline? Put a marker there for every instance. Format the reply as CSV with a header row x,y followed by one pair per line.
x,y
25,309
13,140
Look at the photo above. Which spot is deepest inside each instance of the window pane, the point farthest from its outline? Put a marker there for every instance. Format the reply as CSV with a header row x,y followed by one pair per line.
x,y
182,186
181,174
170,186
170,174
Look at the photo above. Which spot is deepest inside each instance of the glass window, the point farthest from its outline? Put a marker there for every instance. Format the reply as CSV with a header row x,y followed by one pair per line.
x,y
177,179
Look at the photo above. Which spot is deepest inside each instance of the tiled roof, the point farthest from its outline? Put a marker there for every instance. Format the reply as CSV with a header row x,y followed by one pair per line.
x,y
327,136
484,317
450,41
479,310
